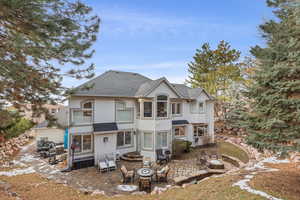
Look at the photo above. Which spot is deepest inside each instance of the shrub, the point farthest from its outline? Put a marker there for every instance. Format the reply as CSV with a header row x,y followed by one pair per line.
x,y
180,146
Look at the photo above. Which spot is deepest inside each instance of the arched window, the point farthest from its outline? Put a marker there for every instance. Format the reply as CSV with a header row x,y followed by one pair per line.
x,y
162,106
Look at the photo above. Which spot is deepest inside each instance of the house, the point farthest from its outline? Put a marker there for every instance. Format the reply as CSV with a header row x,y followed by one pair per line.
x,y
127,112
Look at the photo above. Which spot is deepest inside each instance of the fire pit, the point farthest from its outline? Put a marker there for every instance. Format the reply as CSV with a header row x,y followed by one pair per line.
x,y
216,164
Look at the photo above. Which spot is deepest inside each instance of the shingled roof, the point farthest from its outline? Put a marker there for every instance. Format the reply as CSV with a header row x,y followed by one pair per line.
x,y
128,84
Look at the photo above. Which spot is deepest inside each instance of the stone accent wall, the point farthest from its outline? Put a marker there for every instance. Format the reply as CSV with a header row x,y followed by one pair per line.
x,y
13,145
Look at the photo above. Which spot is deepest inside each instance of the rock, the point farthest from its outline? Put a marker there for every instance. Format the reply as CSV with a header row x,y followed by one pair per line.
x,y
139,193
13,194
98,192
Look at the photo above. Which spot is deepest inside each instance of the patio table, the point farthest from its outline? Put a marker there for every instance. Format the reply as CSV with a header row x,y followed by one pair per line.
x,y
145,172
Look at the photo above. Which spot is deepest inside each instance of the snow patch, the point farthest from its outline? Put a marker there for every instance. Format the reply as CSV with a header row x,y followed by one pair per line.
x,y
259,167
16,172
127,188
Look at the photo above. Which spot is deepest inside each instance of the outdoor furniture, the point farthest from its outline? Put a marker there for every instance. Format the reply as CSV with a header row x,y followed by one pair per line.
x,y
147,163
162,175
145,184
161,157
110,161
216,164
127,175
102,165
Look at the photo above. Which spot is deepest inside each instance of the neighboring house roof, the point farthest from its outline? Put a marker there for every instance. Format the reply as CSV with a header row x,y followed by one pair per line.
x,y
128,84
100,127
179,122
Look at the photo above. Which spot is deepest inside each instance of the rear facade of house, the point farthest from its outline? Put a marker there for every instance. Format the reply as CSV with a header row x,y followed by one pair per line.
x,y
122,112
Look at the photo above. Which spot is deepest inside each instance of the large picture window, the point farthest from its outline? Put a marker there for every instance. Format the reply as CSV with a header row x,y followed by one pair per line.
x,y
82,143
162,106
123,114
147,140
162,139
147,109
124,138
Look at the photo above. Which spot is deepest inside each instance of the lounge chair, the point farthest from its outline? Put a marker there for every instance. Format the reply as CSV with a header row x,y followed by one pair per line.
x,y
127,175
102,165
162,175
110,161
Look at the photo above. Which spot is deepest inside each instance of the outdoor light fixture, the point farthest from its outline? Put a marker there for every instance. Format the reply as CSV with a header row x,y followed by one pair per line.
x,y
105,139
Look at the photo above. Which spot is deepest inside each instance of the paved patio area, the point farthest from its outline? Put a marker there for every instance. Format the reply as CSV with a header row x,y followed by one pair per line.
x,y
91,179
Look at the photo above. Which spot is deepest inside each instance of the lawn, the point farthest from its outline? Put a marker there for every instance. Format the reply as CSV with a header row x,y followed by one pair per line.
x,y
34,187
232,150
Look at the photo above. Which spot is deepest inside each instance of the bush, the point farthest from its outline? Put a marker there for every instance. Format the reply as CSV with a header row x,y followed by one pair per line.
x,y
181,146
20,126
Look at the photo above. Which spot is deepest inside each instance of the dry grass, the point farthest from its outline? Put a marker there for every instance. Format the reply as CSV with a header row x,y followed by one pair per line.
x,y
34,187
284,183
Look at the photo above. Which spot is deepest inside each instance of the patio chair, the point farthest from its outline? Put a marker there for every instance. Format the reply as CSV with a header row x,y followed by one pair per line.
x,y
161,157
127,175
110,161
145,184
162,175
102,165
201,162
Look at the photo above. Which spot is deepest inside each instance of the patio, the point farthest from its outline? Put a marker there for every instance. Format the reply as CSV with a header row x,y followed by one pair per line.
x,y
183,168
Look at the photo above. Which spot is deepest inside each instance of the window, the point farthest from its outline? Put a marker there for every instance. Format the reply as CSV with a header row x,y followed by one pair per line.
x,y
86,142
176,108
162,139
147,109
147,140
179,132
83,115
138,109
200,131
124,139
193,107
162,106
201,107
123,114
82,143
77,143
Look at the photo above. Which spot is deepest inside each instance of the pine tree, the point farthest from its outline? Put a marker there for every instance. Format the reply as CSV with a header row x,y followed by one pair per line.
x,y
215,70
273,121
42,41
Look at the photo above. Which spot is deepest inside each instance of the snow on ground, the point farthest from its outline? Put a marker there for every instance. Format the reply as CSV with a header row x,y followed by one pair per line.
x,y
16,172
258,168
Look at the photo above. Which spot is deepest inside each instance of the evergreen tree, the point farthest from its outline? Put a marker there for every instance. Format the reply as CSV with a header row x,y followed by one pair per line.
x,y
215,70
273,121
38,38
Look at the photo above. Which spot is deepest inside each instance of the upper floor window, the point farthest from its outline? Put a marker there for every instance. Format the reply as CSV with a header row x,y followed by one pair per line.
x,y
147,109
138,109
83,115
176,108
201,107
162,106
123,113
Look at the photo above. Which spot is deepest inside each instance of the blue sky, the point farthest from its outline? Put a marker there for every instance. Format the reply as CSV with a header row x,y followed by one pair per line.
x,y
159,37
